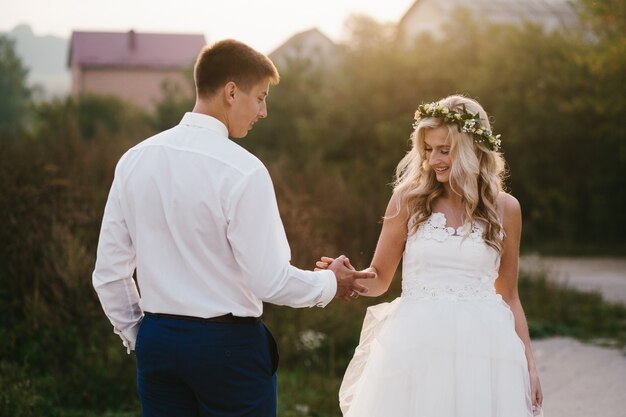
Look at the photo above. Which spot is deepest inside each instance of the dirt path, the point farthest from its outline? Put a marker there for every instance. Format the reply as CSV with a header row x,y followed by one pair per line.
x,y
581,380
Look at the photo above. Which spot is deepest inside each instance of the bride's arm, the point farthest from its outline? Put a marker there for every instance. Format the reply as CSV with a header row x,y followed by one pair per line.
x,y
506,284
388,250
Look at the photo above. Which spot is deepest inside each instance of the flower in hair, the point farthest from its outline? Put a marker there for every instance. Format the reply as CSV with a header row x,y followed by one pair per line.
x,y
465,121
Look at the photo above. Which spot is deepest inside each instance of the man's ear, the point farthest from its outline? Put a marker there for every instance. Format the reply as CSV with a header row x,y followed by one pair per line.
x,y
229,92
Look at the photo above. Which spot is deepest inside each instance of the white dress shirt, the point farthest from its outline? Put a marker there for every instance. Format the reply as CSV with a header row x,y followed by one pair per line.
x,y
196,215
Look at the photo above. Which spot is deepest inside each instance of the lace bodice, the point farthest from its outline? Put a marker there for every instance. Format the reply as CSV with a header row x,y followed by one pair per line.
x,y
443,262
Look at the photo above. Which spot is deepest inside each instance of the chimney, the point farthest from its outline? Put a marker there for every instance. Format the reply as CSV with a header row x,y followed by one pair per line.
x,y
132,40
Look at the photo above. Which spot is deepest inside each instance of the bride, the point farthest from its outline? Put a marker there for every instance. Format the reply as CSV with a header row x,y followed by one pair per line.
x,y
456,343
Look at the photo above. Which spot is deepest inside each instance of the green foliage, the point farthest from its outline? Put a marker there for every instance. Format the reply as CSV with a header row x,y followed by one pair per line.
x,y
176,101
104,115
18,397
15,94
54,186
554,309
307,394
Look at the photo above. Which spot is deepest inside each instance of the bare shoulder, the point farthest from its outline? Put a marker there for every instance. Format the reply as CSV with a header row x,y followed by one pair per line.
x,y
397,207
508,205
511,213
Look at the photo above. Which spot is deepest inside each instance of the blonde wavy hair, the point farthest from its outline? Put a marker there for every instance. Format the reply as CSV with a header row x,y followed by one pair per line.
x,y
476,174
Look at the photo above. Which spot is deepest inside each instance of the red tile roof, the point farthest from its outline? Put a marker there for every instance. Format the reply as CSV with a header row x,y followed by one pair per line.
x,y
131,49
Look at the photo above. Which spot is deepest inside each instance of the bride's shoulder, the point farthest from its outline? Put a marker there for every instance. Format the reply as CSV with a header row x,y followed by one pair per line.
x,y
398,211
508,207
507,202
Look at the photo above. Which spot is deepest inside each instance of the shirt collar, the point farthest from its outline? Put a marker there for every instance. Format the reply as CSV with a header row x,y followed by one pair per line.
x,y
204,121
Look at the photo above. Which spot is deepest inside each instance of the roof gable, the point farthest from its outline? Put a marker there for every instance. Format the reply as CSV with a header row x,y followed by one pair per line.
x,y
311,44
550,13
132,49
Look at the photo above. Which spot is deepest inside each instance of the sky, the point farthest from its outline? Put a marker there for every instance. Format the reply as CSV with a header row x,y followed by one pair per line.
x,y
263,24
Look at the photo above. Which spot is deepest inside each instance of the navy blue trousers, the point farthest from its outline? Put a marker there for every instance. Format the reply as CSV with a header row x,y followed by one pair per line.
x,y
199,369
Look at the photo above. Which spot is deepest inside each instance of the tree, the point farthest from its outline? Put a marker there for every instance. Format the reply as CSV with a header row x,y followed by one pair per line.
x,y
13,90
607,18
178,98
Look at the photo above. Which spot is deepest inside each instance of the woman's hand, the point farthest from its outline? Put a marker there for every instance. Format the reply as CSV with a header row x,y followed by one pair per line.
x,y
325,261
536,395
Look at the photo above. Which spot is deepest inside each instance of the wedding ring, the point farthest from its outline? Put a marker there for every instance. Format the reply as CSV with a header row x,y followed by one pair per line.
x,y
354,294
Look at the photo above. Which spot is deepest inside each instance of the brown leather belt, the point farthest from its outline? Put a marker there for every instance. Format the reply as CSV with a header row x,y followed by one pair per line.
x,y
226,318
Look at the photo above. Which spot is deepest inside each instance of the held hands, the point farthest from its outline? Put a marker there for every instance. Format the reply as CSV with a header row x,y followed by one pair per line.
x,y
325,261
346,276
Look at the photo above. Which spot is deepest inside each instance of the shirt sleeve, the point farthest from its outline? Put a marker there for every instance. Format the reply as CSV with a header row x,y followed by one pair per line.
x,y
113,275
257,237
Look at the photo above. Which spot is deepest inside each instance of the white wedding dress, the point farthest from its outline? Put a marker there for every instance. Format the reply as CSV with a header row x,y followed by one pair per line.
x,y
447,347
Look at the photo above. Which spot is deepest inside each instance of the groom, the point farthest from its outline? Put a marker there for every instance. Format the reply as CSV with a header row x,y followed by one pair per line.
x,y
196,216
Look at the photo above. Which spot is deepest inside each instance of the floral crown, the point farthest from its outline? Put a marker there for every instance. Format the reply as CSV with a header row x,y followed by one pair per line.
x,y
464,120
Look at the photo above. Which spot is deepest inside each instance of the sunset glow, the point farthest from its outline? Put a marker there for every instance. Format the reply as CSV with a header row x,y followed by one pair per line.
x,y
262,24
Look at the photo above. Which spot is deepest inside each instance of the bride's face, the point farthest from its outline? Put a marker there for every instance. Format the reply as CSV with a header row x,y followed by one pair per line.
x,y
437,147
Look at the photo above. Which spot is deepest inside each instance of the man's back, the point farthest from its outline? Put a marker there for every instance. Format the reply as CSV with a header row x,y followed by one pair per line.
x,y
175,191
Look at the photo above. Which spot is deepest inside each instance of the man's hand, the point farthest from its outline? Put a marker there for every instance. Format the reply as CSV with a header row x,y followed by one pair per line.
x,y
346,276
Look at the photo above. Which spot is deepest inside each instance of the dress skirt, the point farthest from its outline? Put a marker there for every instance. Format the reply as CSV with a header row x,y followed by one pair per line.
x,y
438,358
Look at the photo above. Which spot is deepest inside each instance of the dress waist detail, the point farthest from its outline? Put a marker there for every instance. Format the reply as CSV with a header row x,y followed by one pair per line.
x,y
421,290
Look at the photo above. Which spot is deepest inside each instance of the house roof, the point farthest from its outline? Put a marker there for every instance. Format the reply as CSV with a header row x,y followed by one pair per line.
x,y
507,11
312,44
299,38
132,49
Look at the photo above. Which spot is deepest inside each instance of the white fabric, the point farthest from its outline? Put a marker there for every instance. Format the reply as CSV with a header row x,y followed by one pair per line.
x,y
447,347
196,215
